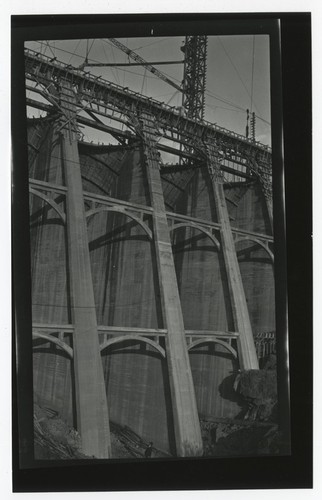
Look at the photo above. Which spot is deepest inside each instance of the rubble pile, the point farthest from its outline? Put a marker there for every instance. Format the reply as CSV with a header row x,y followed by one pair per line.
x,y
56,440
227,438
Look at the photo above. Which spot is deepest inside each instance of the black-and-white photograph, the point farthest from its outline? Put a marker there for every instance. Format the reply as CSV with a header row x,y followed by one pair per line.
x,y
152,247
156,246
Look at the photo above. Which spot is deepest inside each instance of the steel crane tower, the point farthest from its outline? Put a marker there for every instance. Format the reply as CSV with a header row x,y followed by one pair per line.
x,y
194,80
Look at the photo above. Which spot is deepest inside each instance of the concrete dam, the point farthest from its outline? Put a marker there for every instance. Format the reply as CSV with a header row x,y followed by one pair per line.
x,y
152,283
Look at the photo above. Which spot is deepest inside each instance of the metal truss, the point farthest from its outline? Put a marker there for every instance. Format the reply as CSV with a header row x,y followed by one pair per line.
x,y
194,82
113,100
133,55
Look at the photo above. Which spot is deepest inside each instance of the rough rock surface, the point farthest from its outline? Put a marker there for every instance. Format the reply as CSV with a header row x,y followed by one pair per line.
x,y
55,440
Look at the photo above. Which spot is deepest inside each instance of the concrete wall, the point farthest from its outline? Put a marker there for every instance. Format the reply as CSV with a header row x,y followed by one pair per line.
x,y
247,208
138,392
249,212
205,301
49,268
123,268
126,286
126,294
199,265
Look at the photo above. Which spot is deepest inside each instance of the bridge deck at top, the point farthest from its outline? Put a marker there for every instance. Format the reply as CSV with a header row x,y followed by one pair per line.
x,y
99,91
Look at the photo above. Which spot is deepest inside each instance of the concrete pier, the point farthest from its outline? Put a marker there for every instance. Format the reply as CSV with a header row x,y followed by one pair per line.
x,y
91,402
186,421
246,346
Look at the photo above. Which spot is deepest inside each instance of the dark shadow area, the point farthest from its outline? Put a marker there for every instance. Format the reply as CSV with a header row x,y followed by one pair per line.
x,y
157,288
211,352
48,222
227,300
227,391
68,284
169,407
124,347
50,350
248,441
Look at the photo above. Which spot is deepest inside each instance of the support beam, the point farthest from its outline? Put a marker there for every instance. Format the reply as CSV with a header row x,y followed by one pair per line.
x,y
143,209
186,421
42,69
245,342
112,65
264,174
91,401
269,207
195,72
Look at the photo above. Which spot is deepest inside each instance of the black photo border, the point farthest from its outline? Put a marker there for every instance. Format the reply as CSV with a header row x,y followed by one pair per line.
x,y
290,44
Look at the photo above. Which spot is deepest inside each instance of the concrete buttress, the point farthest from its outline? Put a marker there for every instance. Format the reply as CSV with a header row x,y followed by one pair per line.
x,y
185,414
246,346
91,400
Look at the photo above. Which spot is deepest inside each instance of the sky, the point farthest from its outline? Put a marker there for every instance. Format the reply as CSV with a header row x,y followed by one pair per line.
x,y
237,74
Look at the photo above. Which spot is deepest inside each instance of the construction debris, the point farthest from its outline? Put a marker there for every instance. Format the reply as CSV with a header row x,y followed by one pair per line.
x,y
56,440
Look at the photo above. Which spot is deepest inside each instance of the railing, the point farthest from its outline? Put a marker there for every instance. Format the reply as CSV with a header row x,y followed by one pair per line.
x,y
143,209
104,331
36,59
265,343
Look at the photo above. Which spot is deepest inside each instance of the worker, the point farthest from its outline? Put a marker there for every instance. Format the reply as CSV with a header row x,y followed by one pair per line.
x,y
148,451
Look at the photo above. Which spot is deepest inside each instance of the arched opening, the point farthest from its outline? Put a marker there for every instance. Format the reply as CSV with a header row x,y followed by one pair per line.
x,y
135,338
138,389
257,273
199,228
52,364
54,340
121,210
208,340
49,201
201,278
214,367
123,269
257,242
53,375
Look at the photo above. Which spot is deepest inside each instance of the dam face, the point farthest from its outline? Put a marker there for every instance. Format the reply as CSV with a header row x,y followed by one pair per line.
x,y
132,268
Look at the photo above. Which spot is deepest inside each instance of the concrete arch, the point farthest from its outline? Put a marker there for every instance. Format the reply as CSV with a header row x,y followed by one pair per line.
x,y
207,340
121,210
260,243
54,340
49,201
200,228
117,340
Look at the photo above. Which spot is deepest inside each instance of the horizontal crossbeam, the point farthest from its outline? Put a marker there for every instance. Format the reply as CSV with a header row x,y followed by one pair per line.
x,y
123,330
171,216
111,65
116,132
127,134
41,69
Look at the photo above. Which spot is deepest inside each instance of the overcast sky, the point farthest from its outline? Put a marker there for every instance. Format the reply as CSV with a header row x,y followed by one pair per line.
x,y
237,68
